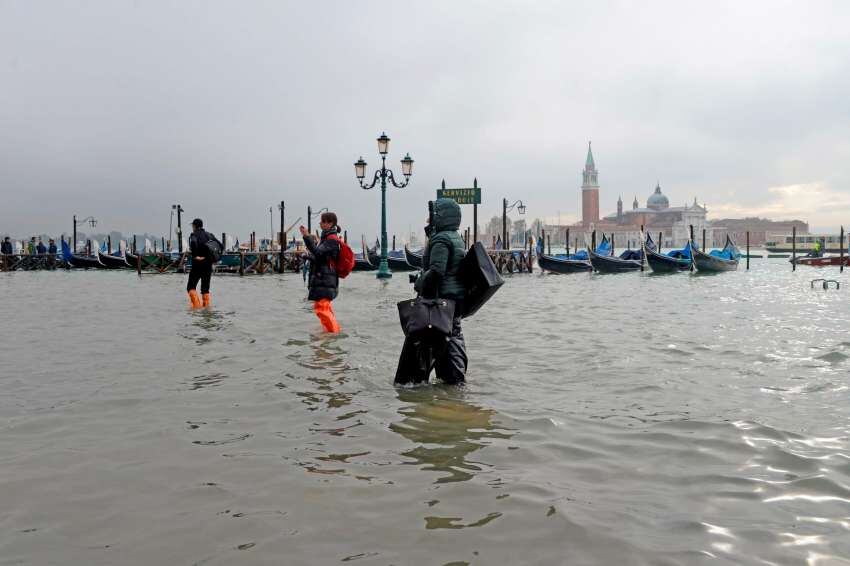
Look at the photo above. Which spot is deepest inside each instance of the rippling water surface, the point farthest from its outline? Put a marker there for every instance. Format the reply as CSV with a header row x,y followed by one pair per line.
x,y
608,419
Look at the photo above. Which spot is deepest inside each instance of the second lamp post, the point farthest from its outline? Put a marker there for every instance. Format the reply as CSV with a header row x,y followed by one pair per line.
x,y
384,175
506,244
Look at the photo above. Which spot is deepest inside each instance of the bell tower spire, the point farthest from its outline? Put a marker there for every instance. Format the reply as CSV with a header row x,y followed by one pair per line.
x,y
590,190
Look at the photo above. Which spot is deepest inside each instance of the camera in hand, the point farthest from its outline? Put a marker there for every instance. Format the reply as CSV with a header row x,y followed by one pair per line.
x,y
412,277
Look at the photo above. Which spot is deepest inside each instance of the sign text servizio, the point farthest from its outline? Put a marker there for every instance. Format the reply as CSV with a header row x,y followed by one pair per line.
x,y
461,196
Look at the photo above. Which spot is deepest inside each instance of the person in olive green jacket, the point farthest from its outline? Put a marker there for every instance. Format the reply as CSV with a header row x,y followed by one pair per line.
x,y
440,278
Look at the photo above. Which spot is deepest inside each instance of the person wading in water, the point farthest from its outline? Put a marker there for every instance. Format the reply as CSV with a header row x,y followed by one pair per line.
x,y
324,281
440,278
202,247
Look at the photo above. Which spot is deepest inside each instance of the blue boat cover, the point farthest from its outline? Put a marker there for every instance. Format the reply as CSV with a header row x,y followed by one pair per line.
x,y
684,253
66,251
729,251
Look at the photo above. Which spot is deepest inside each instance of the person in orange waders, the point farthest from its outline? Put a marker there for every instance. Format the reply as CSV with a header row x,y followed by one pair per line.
x,y
324,281
205,250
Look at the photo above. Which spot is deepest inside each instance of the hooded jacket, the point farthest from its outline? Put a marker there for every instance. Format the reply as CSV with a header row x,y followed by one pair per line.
x,y
324,282
445,251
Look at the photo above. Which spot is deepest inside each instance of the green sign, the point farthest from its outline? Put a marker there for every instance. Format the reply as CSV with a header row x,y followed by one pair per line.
x,y
471,195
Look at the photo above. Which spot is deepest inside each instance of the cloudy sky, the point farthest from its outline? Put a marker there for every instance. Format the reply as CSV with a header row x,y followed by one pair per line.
x,y
118,109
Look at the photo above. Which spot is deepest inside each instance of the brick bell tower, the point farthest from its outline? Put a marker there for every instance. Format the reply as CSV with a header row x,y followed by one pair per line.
x,y
589,191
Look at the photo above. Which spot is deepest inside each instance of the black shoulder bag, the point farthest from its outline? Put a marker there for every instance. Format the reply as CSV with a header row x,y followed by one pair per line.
x,y
431,316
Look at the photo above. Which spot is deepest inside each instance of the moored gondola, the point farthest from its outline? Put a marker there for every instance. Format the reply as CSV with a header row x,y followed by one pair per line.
x,y
629,260
569,264
671,262
112,261
397,261
74,260
413,258
725,259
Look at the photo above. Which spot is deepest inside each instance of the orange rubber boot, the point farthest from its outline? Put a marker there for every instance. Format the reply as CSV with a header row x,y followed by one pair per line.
x,y
194,299
325,312
207,299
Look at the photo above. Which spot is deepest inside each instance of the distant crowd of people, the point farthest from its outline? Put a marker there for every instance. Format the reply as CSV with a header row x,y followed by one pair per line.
x,y
35,246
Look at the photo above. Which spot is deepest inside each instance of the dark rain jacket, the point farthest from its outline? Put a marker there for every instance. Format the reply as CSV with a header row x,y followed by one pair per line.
x,y
6,248
324,281
444,254
41,249
51,249
198,248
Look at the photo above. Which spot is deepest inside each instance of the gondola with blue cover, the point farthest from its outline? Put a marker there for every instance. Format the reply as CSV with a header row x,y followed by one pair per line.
x,y
725,259
671,262
578,262
606,262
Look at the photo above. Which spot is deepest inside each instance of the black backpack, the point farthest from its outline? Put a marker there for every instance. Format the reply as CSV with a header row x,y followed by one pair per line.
x,y
214,246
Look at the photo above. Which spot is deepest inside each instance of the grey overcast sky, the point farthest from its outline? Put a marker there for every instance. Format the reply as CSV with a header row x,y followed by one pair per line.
x,y
120,108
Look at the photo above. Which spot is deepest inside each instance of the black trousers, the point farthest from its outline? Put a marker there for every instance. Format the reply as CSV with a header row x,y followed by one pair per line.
x,y
446,355
202,274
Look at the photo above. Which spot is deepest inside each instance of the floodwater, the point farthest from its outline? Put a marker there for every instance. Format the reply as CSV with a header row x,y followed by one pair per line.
x,y
608,419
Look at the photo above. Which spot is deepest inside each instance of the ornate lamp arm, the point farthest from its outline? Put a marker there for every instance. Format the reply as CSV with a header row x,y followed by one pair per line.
x,y
392,180
374,181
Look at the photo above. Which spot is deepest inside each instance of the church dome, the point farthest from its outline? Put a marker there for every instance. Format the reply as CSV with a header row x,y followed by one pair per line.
x,y
656,200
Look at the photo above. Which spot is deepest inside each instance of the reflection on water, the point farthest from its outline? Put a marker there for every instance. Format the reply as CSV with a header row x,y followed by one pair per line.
x,y
446,430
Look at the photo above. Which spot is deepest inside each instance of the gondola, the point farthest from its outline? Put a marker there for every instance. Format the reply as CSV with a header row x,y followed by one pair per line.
x,y
74,260
363,261
413,258
112,261
397,261
671,262
629,260
564,263
717,260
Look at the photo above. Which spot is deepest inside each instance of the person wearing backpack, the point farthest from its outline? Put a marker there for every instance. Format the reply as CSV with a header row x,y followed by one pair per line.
x,y
205,250
330,259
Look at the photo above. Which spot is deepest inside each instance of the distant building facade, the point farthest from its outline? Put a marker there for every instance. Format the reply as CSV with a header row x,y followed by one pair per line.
x,y
761,230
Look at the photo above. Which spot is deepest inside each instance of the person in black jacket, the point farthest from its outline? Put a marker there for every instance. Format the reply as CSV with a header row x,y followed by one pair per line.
x,y
324,282
202,264
6,247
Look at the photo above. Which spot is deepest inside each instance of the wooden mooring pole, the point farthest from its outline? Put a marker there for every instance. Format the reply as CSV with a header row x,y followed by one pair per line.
x,y
567,241
748,249
841,253
793,248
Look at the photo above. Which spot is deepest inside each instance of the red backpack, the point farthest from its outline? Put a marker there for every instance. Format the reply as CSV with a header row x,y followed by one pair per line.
x,y
344,263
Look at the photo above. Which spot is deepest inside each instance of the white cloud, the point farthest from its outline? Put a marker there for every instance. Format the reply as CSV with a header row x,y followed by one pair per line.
x,y
798,201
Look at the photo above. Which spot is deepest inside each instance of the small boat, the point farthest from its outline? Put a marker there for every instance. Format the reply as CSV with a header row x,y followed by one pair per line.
x,y
629,260
364,261
821,261
578,262
413,258
74,260
112,261
397,261
671,262
717,260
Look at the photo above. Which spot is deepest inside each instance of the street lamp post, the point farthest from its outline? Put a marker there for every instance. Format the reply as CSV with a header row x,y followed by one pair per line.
x,y
92,222
311,215
505,208
179,210
384,174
